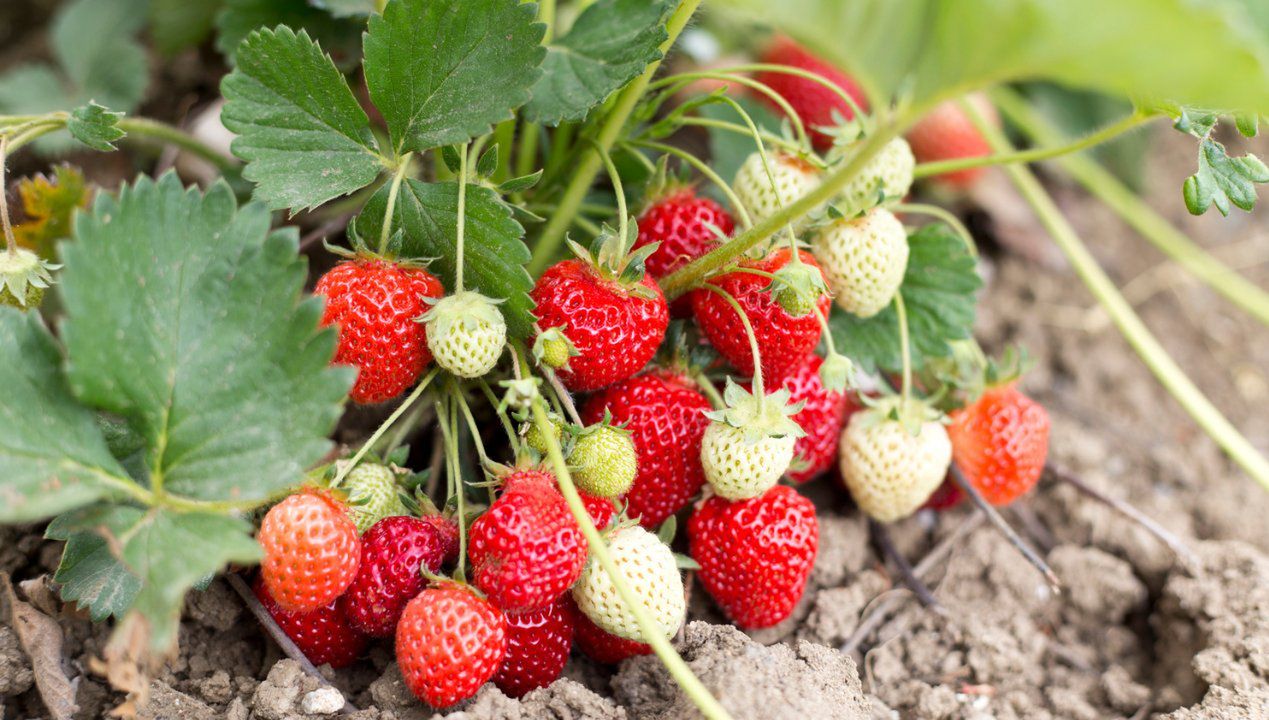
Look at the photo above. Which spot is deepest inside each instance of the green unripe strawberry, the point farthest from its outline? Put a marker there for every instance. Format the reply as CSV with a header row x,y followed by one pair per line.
x,y
466,333
887,177
604,461
372,495
23,278
863,259
536,439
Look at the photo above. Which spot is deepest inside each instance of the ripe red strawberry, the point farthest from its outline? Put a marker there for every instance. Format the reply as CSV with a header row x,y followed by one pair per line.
x,y
1000,443
601,510
813,102
538,642
665,415
681,222
609,310
948,496
324,635
375,304
526,549
602,646
947,133
755,554
449,642
393,552
311,550
448,530
783,339
822,418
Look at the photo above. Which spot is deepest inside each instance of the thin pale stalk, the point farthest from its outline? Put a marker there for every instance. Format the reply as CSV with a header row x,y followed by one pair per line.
x,y
378,433
753,339
390,208
705,170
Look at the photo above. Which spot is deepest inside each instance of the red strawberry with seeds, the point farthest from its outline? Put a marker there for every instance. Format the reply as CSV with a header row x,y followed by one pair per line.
x,y
665,415
813,102
375,303
681,222
311,550
755,555
602,646
324,635
1000,443
784,340
449,642
526,550
393,553
947,133
822,417
601,510
448,530
538,642
601,316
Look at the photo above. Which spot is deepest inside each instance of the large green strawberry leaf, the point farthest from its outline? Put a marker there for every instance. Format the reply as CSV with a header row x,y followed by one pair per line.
x,y
444,71
1206,53
301,131
938,295
427,216
609,45
184,317
90,574
52,456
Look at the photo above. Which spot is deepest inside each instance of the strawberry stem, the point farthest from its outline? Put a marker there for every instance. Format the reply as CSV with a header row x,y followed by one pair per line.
x,y
10,241
447,417
562,394
383,428
753,339
705,170
709,390
863,117
674,83
462,217
623,218
948,218
390,209
512,438
456,392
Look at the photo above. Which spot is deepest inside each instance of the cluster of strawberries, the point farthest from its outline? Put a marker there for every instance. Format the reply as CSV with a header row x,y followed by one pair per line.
x,y
649,440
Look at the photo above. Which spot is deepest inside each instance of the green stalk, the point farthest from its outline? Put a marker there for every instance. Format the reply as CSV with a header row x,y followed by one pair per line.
x,y
396,415
674,83
175,136
682,674
1169,374
623,216
758,390
946,217
1143,218
739,130
386,231
462,218
589,164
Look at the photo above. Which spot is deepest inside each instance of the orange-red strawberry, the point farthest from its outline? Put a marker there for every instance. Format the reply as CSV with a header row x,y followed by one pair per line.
x,y
449,642
394,551
602,646
665,415
784,340
526,550
375,304
684,225
755,555
814,103
324,635
538,642
947,133
1000,443
822,416
311,550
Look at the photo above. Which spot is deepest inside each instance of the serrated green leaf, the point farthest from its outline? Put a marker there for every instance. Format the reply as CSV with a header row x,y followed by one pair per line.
x,y
52,457
1207,54
341,38
487,165
938,294
609,45
345,8
1248,125
89,573
184,317
95,126
494,249
520,184
1196,122
178,24
303,135
444,71
1222,180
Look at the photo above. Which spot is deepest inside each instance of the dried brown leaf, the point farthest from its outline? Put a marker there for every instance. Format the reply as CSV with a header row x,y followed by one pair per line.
x,y
41,639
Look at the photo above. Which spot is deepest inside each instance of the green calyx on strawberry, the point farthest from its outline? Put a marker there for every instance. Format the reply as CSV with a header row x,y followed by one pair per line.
x,y
617,259
797,287
466,333
603,459
553,349
837,371
24,277
749,444
963,377
372,494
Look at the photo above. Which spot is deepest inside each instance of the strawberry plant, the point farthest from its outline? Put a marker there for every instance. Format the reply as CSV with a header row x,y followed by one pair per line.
x,y
526,253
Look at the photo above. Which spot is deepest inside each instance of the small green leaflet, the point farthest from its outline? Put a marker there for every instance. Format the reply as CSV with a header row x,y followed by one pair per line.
x,y
1222,180
239,18
90,574
95,126
52,456
427,213
301,131
609,45
444,71
223,370
938,293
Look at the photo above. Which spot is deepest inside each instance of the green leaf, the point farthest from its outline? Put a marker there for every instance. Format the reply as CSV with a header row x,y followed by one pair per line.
x,y
95,126
165,552
1222,180
179,24
938,294
444,71
89,573
303,135
240,18
1248,125
609,45
184,317
52,457
345,8
1207,54
495,253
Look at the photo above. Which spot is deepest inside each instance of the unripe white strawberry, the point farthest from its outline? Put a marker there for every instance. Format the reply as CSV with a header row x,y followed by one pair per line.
x,y
749,445
863,259
889,470
466,333
604,461
887,175
372,495
649,570
793,177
